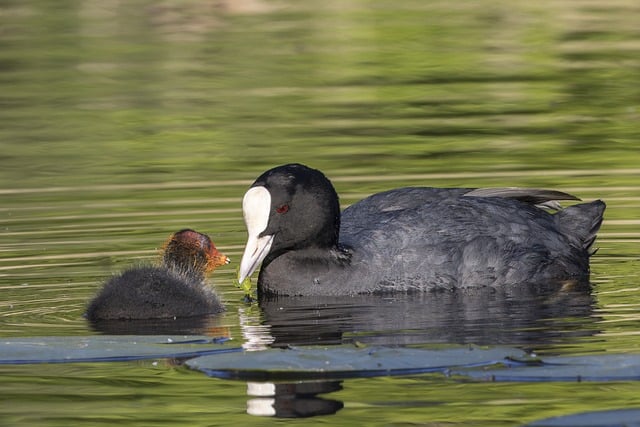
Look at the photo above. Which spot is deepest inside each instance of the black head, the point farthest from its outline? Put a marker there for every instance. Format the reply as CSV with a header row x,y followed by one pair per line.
x,y
305,210
289,207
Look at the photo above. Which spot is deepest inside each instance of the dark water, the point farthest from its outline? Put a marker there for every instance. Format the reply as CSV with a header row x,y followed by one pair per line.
x,y
123,122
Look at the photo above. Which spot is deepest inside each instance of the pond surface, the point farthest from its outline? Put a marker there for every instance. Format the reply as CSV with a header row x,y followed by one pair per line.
x,y
122,122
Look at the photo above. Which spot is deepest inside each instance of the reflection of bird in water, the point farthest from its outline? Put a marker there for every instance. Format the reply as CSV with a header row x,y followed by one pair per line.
x,y
485,317
175,289
410,239
292,400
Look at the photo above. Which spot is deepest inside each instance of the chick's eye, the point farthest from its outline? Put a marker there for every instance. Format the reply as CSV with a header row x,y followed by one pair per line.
x,y
282,209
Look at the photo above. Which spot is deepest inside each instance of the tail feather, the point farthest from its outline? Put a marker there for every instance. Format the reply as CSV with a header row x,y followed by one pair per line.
x,y
582,222
534,196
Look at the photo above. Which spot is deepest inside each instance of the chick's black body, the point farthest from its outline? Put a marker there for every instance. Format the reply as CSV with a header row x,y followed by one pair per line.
x,y
177,288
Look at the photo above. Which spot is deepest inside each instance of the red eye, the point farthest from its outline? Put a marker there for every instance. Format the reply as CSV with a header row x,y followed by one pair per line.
x,y
282,209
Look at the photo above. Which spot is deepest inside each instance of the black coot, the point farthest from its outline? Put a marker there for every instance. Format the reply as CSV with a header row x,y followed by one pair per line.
x,y
410,239
176,288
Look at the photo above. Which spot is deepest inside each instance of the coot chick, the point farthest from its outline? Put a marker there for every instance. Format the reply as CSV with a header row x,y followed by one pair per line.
x,y
176,288
410,239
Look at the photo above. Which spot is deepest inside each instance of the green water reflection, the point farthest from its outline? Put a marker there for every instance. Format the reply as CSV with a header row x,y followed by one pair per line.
x,y
121,122
118,93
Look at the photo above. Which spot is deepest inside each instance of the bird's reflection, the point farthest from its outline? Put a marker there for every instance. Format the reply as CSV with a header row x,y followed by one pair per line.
x,y
197,325
516,316
522,317
292,400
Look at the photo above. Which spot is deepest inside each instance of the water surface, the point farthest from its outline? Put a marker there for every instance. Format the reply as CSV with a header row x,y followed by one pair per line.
x,y
121,123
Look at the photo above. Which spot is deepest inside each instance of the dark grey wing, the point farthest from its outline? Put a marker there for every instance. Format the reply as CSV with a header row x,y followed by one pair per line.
x,y
455,241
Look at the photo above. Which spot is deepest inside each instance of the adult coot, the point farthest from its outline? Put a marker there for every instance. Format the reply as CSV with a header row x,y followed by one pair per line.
x,y
176,288
409,239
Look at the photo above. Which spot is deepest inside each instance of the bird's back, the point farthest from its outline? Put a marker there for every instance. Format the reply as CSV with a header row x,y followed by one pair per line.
x,y
428,238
